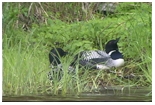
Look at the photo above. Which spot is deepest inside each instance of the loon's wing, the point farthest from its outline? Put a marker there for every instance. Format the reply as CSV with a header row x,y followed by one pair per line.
x,y
92,58
95,55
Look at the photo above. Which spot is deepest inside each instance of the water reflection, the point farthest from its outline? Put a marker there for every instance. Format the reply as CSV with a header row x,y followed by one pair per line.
x,y
102,95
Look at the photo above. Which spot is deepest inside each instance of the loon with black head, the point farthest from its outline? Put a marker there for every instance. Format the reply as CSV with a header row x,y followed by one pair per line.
x,y
99,59
55,55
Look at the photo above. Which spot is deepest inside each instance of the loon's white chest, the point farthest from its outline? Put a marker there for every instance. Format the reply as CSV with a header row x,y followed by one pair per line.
x,y
118,62
111,63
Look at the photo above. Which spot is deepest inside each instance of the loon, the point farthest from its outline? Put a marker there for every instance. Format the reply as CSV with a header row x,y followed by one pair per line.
x,y
96,59
55,63
55,55
99,59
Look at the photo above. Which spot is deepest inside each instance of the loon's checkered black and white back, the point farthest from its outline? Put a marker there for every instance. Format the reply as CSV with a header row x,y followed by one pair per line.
x,y
100,60
88,55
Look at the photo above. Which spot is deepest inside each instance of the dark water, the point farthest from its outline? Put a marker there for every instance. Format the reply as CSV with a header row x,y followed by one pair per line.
x,y
107,95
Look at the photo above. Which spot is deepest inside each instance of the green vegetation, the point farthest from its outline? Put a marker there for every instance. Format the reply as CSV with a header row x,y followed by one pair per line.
x,y
27,40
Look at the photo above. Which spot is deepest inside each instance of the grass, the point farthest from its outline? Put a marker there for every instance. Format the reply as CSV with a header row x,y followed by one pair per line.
x,y
22,71
25,54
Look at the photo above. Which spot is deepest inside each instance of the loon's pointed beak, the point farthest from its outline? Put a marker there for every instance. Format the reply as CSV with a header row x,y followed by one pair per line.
x,y
117,40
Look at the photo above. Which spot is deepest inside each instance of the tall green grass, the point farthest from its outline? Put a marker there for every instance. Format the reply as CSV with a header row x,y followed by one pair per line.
x,y
25,54
22,70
